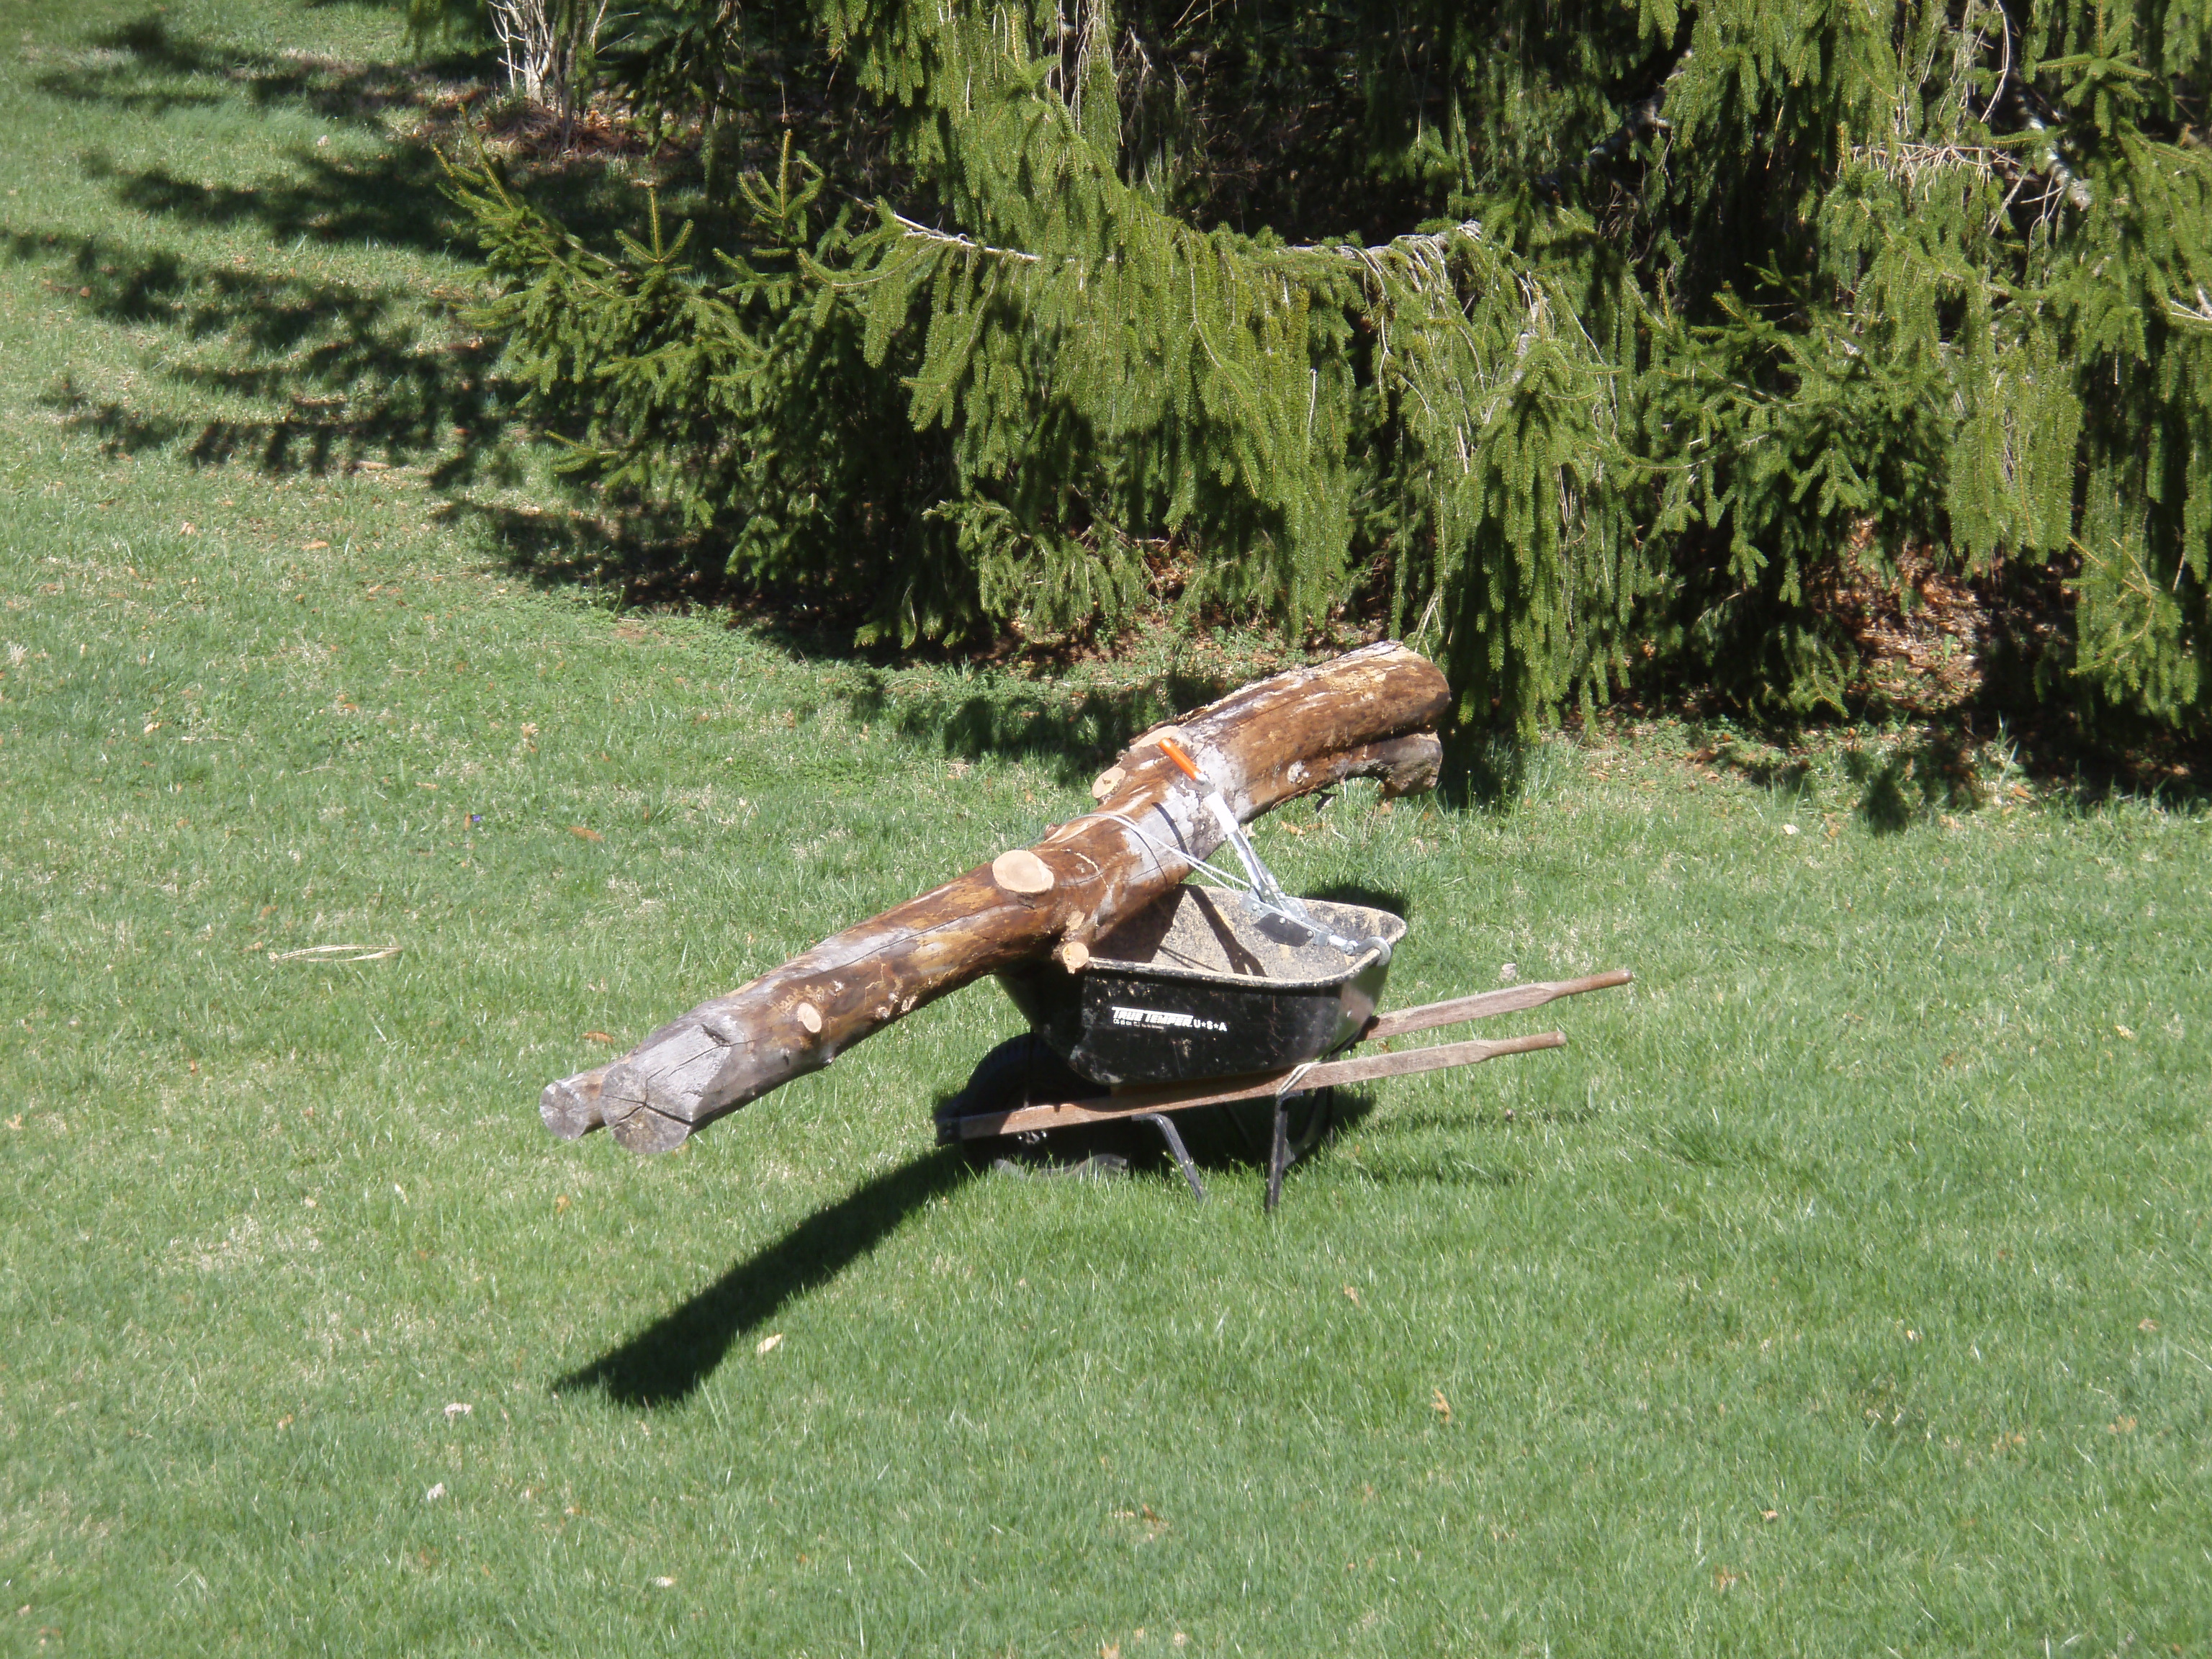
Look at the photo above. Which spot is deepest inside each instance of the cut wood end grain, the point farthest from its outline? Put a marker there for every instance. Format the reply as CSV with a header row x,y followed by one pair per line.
x,y
642,1129
1021,871
570,1107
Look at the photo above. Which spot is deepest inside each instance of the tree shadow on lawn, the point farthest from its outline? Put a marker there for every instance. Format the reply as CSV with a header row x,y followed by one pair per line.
x,y
1944,768
665,1363
1074,733
1948,764
1924,774
1914,781
1008,714
1494,772
388,370
632,560
358,372
146,68
391,197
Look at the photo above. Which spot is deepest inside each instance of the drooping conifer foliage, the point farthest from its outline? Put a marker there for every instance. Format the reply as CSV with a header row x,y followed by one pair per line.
x,y
1572,340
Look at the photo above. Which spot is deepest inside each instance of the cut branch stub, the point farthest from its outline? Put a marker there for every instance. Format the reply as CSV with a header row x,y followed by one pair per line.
x,y
1366,715
1021,871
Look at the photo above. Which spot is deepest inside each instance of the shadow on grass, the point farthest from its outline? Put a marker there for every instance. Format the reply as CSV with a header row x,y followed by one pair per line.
x,y
391,371
1496,773
1236,1136
392,195
145,68
1253,1123
1775,769
636,560
1230,1139
355,372
1936,771
1934,774
1073,732
666,1362
393,198
1476,1129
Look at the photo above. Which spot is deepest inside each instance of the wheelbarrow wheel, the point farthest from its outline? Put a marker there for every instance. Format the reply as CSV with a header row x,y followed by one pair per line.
x,y
1309,1125
1309,1117
1024,1071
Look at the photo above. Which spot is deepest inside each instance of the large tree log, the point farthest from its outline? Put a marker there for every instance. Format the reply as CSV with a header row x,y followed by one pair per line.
x,y
1366,715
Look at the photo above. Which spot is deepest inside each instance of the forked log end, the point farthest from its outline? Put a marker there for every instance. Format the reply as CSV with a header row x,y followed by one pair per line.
x,y
1406,766
639,1128
571,1107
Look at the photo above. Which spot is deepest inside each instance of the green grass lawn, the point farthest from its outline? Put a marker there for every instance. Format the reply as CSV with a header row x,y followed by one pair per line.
x,y
1841,1289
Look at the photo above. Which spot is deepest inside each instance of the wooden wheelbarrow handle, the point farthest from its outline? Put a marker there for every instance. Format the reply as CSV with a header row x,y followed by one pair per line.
x,y
1135,1102
1511,1001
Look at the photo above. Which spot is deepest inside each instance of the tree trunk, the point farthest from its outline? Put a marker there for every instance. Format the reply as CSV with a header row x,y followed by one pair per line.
x,y
1366,715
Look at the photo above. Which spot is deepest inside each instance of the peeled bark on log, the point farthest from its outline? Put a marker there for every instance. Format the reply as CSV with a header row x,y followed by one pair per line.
x,y
1364,714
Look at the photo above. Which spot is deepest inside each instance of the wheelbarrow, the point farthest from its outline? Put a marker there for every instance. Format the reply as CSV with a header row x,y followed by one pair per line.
x,y
1205,999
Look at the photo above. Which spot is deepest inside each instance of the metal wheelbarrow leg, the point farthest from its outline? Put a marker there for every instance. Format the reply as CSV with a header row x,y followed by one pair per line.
x,y
1285,1149
1166,1125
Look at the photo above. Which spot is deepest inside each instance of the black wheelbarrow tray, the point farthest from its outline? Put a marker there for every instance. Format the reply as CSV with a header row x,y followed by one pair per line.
x,y
1198,1000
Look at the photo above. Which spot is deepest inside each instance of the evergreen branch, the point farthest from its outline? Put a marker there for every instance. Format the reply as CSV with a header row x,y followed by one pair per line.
x,y
1419,245
1912,164
921,233
1557,444
2004,69
2200,314
2075,187
1645,118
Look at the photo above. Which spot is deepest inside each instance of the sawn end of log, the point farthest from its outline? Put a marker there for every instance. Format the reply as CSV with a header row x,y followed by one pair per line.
x,y
642,1129
571,1107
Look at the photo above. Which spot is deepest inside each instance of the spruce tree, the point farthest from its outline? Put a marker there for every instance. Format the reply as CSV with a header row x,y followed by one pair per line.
x,y
1575,337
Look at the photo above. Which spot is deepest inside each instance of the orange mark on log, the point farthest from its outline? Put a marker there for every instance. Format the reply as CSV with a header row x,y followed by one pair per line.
x,y
1184,764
